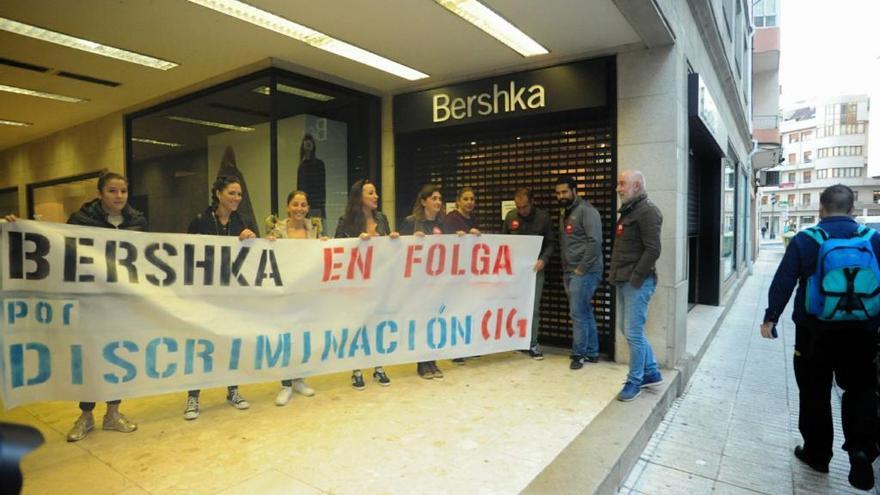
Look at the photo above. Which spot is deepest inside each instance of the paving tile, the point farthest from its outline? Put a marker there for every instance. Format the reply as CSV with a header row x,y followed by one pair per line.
x,y
656,479
687,458
722,488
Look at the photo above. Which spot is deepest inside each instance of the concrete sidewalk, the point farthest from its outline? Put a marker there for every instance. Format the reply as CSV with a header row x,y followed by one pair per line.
x,y
734,428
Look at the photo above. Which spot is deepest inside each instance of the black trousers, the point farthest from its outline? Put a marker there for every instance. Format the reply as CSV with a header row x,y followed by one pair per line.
x,y
847,355
89,406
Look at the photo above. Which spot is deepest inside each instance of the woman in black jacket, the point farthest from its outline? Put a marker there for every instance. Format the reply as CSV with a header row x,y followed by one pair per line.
x,y
221,218
109,210
426,219
363,219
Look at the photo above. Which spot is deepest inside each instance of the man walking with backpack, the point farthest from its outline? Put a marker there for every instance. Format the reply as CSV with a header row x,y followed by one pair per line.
x,y
835,313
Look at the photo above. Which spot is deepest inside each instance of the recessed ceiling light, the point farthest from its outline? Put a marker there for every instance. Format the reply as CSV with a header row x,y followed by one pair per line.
x,y
317,39
494,25
41,94
156,142
39,33
221,125
15,123
293,90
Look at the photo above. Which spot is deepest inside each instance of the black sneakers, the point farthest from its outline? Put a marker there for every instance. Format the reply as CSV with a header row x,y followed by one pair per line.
x,y
357,380
380,376
577,362
535,353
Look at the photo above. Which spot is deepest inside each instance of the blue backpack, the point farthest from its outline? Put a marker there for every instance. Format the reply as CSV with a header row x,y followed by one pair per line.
x,y
846,285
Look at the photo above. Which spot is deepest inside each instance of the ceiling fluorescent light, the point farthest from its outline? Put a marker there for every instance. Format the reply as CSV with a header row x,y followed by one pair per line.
x,y
272,22
293,90
41,94
494,25
156,142
41,34
15,123
221,125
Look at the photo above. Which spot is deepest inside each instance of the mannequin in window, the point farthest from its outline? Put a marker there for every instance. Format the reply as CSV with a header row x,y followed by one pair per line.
x,y
311,178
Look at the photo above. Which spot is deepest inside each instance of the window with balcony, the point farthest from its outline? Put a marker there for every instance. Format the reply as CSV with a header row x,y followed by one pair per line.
x,y
847,172
808,176
808,156
765,13
805,199
840,151
806,135
791,200
792,158
794,137
822,174
792,177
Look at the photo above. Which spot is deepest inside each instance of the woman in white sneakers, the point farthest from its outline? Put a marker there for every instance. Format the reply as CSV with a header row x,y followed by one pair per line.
x,y
297,225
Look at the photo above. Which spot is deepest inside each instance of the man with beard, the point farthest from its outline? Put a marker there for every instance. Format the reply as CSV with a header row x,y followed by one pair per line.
x,y
633,272
580,243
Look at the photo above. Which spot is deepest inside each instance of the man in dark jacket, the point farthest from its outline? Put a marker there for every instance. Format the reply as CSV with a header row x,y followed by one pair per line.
x,y
580,244
824,350
528,220
633,259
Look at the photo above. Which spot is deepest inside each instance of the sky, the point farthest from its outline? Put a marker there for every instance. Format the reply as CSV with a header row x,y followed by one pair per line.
x,y
829,47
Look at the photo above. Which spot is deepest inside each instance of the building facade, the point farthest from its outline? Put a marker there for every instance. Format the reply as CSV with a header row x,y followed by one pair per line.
x,y
823,143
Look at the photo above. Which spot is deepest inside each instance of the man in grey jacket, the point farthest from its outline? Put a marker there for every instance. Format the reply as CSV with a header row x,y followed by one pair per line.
x,y
527,219
580,243
636,250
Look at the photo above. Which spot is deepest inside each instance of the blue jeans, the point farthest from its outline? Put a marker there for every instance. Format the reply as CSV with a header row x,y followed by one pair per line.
x,y
580,290
635,311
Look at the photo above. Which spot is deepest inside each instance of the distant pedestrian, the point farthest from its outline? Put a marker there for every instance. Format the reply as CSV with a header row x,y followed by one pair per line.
x,y
834,265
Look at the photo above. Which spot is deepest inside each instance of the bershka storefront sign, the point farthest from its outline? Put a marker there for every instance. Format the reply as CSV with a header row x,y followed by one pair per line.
x,y
559,88
499,100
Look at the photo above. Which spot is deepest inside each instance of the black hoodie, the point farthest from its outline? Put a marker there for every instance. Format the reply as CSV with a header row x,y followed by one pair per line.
x,y
92,214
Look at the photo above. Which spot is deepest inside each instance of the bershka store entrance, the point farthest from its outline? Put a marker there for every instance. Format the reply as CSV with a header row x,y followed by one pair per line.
x,y
519,130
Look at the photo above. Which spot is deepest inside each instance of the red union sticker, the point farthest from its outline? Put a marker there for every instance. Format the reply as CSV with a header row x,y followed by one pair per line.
x,y
514,225
619,230
569,228
437,231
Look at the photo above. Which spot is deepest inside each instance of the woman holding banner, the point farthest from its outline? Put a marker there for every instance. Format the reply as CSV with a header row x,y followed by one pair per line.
x,y
109,210
363,219
426,219
221,218
461,220
297,225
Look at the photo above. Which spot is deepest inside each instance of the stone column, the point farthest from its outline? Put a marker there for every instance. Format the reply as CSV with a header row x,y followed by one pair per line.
x,y
652,137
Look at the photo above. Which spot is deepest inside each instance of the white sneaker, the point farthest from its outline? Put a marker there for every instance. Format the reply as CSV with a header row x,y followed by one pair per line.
x,y
192,408
300,387
283,396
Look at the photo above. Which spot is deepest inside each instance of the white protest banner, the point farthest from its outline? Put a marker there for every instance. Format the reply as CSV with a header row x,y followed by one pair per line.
x,y
99,314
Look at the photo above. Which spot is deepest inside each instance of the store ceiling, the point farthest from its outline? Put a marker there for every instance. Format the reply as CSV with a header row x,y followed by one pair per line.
x,y
208,45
